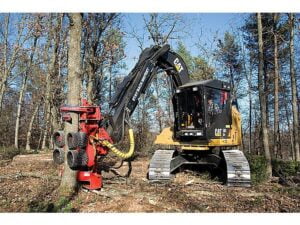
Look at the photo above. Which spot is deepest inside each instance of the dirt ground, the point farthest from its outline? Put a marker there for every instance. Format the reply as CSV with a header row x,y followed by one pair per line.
x,y
28,183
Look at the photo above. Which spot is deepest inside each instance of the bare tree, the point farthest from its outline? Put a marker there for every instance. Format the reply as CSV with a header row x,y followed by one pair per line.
x,y
137,35
11,51
248,75
161,29
36,35
294,88
164,27
287,116
276,86
68,182
95,55
262,97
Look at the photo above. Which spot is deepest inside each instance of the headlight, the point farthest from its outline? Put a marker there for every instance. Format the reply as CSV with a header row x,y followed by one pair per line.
x,y
199,133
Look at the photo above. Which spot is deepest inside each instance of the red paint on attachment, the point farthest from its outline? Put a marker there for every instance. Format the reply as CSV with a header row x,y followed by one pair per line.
x,y
93,180
89,120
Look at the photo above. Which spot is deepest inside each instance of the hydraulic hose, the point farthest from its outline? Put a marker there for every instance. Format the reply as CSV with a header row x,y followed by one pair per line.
x,y
119,153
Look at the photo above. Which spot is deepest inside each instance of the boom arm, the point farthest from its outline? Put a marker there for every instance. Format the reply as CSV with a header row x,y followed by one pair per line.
x,y
128,92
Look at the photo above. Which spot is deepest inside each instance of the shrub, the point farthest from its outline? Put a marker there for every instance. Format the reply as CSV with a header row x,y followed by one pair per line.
x,y
285,168
258,168
9,152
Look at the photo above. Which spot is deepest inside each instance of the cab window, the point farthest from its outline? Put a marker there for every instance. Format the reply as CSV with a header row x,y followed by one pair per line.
x,y
216,103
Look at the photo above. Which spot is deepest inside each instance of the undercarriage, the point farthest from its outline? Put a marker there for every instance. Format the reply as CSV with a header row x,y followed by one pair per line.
x,y
233,162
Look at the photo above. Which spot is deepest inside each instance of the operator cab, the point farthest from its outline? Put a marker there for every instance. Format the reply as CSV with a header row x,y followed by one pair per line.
x,y
202,110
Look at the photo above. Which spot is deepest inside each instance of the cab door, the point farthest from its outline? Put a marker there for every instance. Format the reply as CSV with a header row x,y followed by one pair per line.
x,y
217,113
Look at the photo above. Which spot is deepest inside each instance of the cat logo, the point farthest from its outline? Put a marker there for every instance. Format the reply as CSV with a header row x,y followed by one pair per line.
x,y
178,65
218,132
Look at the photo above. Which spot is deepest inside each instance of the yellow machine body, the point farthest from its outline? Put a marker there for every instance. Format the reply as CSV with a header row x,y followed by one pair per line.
x,y
165,138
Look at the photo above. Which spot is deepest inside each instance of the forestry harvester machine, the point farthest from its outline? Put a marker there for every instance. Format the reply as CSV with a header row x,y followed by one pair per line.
x,y
206,131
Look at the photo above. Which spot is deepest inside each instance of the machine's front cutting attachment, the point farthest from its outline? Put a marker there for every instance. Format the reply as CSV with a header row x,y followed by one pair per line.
x,y
84,146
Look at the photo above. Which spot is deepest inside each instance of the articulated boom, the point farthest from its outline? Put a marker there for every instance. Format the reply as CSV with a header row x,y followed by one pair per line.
x,y
128,92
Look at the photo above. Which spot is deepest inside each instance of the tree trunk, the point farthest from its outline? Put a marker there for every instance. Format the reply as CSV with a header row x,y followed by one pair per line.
x,y
110,79
266,90
93,87
232,82
30,126
292,149
68,182
3,80
262,98
159,110
276,87
47,108
250,122
294,89
90,83
249,79
19,106
255,133
22,92
54,118
287,116
169,104
41,130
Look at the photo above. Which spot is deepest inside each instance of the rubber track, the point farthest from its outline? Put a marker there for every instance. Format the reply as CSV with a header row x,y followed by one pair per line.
x,y
159,168
238,170
237,167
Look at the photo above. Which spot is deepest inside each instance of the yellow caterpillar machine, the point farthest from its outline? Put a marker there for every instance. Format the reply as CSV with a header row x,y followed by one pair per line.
x,y
205,119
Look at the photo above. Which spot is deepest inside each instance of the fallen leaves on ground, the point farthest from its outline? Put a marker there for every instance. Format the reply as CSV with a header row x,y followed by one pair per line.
x,y
28,184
